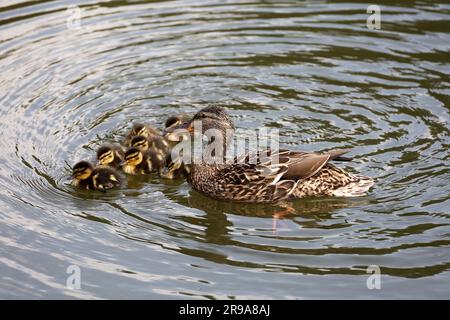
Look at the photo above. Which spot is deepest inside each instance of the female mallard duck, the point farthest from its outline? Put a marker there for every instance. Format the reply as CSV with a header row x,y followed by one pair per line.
x,y
140,129
88,177
273,176
142,162
111,155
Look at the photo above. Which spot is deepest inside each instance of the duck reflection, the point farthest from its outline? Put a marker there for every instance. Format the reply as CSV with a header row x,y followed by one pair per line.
x,y
310,212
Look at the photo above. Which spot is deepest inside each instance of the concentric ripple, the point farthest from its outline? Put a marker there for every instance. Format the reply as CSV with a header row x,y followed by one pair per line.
x,y
311,69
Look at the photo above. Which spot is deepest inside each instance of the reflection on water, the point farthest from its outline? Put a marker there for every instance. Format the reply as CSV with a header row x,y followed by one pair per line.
x,y
311,69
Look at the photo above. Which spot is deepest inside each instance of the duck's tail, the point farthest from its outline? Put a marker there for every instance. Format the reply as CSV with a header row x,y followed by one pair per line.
x,y
358,186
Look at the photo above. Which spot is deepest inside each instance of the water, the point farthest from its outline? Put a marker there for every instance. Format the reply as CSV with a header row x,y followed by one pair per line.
x,y
311,69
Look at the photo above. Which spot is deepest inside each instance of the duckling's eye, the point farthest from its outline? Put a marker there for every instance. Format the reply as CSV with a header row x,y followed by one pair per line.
x,y
139,144
131,156
106,155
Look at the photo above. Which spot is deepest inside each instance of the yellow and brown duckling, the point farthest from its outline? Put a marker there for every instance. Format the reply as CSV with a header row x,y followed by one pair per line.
x,y
88,177
274,176
111,155
142,162
155,143
171,134
140,129
176,120
175,168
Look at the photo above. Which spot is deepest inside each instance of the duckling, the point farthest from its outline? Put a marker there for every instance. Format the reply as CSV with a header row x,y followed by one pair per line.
x,y
111,155
175,126
155,143
175,168
142,162
176,120
140,129
88,177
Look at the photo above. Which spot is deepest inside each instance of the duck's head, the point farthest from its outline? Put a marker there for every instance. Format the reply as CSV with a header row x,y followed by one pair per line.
x,y
215,123
105,155
133,157
82,170
213,117
140,129
140,142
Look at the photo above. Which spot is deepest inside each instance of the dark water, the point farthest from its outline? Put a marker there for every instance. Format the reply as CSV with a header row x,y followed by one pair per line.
x,y
311,69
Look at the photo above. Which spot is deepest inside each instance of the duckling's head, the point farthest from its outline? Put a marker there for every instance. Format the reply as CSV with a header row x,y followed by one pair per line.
x,y
140,142
133,156
105,155
140,129
82,170
173,121
172,166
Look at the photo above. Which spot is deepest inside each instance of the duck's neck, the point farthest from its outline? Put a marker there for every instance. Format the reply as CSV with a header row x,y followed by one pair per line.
x,y
204,176
209,165
205,170
211,159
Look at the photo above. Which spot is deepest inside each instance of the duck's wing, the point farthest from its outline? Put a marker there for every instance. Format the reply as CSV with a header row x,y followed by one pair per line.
x,y
270,176
245,182
336,155
293,164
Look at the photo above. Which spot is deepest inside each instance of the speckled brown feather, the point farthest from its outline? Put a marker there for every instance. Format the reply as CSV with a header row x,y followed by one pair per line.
x,y
270,176
295,175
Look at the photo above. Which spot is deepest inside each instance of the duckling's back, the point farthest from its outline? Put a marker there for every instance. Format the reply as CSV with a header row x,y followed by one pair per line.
x,y
104,178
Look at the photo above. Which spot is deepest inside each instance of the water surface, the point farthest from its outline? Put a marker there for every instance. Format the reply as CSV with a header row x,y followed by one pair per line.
x,y
311,69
